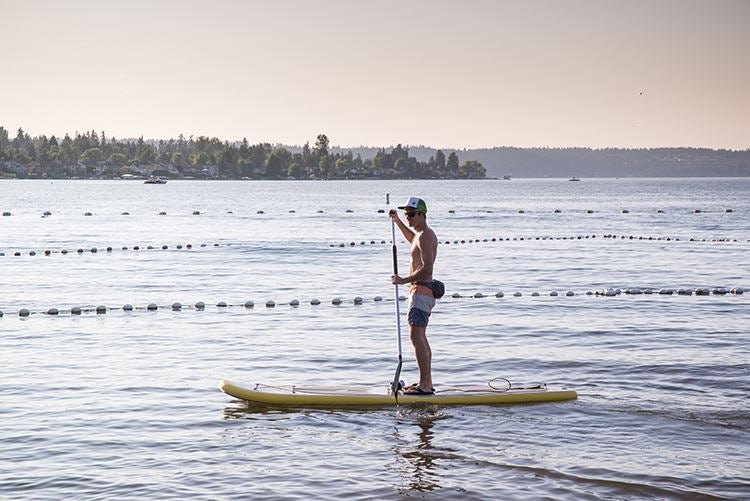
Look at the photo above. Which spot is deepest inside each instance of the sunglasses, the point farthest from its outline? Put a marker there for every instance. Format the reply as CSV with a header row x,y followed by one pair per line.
x,y
410,213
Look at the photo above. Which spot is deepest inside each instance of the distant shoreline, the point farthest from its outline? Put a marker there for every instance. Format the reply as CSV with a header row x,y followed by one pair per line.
x,y
94,155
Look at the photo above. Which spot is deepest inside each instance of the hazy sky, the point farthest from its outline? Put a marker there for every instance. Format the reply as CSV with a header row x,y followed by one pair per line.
x,y
439,73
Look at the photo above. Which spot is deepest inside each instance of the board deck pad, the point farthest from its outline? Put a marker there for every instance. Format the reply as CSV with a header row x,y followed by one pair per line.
x,y
301,396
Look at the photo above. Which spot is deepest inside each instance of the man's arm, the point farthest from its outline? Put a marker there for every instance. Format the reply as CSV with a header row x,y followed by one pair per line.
x,y
405,231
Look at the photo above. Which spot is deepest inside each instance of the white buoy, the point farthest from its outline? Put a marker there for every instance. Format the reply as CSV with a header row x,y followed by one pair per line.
x,y
478,295
294,302
101,310
176,306
270,303
221,304
200,305
377,299
336,301
536,294
553,293
720,291
152,307
358,300
75,310
402,298
456,295
499,294
666,292
702,291
53,311
23,312
127,307
517,294
249,304
315,302
570,293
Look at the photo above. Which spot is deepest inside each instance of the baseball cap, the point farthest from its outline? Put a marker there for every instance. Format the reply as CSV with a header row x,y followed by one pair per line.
x,y
416,204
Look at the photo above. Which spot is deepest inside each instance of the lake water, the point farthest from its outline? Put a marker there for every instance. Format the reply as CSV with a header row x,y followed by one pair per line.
x,y
124,404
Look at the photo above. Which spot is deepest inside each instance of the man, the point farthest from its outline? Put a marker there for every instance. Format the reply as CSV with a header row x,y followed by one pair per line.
x,y
421,299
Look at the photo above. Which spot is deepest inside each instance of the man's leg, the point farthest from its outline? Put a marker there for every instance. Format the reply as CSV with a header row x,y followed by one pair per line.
x,y
423,354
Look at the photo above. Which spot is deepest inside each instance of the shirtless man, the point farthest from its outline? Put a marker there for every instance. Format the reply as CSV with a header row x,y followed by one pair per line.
x,y
421,300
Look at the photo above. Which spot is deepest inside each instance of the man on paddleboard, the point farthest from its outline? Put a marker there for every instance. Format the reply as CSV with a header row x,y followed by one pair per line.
x,y
421,298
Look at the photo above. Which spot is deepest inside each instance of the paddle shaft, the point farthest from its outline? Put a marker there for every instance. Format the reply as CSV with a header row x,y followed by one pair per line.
x,y
396,377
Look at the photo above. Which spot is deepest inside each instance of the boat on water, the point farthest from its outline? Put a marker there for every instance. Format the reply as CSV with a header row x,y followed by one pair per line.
x,y
155,180
574,179
506,178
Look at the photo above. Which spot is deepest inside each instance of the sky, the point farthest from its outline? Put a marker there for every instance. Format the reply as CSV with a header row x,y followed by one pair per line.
x,y
444,74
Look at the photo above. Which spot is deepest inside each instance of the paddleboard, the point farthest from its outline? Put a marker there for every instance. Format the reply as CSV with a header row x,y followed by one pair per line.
x,y
299,396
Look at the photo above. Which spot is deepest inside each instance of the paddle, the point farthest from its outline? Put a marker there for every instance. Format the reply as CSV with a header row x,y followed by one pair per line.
x,y
396,377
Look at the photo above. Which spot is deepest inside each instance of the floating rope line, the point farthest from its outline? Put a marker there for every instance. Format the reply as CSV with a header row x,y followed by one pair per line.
x,y
358,300
261,212
548,237
110,249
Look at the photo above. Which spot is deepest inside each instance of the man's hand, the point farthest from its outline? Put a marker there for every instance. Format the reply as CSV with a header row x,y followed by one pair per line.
x,y
397,280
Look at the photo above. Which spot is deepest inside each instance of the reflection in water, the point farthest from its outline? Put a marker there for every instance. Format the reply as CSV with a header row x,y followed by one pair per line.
x,y
419,470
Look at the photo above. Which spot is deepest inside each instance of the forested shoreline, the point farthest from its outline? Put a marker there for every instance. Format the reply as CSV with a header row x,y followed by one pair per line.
x,y
94,155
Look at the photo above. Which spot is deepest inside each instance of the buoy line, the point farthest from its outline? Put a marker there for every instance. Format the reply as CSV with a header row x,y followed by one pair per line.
x,y
361,243
452,212
108,249
359,300
548,237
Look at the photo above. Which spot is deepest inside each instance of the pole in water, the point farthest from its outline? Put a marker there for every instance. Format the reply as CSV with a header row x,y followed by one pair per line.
x,y
387,199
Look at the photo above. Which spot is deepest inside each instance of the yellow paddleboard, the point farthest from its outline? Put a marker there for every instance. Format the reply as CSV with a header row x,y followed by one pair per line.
x,y
299,396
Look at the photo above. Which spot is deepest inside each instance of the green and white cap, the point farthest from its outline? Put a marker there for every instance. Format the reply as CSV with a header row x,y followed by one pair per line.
x,y
416,204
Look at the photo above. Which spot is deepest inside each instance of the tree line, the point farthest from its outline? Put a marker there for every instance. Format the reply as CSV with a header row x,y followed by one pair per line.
x,y
94,154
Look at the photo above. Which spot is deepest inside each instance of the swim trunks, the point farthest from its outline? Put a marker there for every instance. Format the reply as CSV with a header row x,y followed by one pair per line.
x,y
421,303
